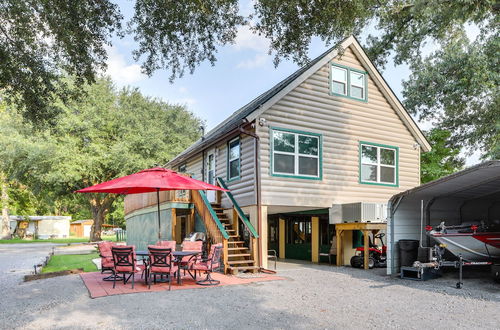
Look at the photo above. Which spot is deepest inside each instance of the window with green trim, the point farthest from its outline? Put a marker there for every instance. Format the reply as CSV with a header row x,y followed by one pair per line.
x,y
378,164
348,82
233,159
296,154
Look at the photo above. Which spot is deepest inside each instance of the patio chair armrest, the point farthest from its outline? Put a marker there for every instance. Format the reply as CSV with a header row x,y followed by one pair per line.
x,y
192,260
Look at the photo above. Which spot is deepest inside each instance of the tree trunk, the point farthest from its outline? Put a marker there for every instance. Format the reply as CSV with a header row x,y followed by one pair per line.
x,y
5,224
99,207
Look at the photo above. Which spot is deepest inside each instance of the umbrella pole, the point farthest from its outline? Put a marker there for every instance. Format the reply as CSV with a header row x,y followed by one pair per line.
x,y
159,223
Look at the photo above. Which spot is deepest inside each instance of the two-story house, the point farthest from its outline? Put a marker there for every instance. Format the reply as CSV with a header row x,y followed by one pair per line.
x,y
333,132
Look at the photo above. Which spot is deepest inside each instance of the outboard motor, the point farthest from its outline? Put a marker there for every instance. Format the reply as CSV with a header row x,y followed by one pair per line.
x,y
196,236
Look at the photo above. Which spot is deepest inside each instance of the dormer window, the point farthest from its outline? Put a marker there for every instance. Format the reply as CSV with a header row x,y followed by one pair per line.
x,y
348,82
357,85
339,80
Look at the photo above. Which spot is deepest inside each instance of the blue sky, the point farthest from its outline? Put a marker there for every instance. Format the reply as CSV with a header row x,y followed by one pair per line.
x,y
242,72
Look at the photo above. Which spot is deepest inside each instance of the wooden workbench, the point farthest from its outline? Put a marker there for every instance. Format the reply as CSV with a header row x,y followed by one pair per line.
x,y
366,228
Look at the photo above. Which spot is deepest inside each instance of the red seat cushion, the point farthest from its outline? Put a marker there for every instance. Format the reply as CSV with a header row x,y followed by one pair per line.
x,y
200,266
107,262
165,270
166,244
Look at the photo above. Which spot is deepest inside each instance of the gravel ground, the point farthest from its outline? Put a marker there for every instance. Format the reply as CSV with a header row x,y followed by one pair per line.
x,y
310,297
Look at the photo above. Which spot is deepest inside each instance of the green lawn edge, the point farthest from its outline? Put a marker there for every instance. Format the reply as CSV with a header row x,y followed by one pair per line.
x,y
71,261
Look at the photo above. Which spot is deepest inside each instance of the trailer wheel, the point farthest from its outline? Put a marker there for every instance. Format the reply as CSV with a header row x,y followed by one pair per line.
x,y
495,273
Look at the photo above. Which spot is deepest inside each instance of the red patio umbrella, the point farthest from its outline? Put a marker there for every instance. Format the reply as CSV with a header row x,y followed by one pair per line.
x,y
150,180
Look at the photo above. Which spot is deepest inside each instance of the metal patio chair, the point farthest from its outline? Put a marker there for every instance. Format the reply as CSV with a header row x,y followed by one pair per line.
x,y
209,265
125,263
160,263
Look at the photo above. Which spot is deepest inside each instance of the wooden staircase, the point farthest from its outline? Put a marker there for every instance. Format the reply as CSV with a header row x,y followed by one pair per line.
x,y
239,256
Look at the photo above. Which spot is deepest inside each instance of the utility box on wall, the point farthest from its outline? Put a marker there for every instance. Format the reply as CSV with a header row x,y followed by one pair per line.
x,y
358,212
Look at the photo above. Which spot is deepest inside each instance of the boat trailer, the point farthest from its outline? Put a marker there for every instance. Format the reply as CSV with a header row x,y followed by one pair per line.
x,y
422,271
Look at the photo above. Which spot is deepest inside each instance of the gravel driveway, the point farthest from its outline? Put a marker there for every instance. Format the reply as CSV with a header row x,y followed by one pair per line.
x,y
311,296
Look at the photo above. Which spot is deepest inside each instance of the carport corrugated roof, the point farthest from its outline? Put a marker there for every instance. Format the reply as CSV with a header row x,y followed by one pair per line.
x,y
478,181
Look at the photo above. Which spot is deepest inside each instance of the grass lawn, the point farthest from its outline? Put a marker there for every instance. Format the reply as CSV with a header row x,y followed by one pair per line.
x,y
71,261
55,240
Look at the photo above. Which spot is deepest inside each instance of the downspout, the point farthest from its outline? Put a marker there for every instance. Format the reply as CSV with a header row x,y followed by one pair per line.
x,y
257,189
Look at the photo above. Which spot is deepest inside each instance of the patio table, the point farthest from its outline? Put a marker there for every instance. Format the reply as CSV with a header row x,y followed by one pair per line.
x,y
178,256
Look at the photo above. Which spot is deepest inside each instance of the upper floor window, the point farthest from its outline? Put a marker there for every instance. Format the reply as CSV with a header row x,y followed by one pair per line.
x,y
296,154
182,168
234,159
348,82
378,164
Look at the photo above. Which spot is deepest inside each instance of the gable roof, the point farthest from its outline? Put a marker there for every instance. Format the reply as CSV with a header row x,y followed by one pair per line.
x,y
257,106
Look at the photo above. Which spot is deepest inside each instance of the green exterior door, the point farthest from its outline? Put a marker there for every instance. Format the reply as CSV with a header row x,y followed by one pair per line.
x,y
298,241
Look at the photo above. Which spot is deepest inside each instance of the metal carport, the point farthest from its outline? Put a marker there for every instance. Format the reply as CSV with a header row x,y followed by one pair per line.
x,y
469,195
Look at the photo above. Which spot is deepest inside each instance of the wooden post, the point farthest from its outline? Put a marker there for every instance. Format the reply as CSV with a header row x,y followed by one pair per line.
x,y
173,217
282,238
224,255
366,246
191,221
340,253
218,196
236,221
315,239
254,252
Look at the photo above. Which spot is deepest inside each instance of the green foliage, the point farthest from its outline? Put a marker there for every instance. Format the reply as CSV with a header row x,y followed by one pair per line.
x,y
290,25
443,159
71,261
457,86
180,35
40,40
108,134
408,26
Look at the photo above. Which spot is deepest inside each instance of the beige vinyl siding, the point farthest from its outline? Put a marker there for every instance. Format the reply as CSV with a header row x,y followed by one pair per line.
x,y
243,189
343,123
194,167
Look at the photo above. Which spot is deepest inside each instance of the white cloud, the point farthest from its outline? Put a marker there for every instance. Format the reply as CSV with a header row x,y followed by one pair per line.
x,y
259,60
120,71
246,39
183,90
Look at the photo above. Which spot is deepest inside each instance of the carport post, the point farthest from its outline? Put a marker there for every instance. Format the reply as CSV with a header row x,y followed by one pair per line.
x,y
366,234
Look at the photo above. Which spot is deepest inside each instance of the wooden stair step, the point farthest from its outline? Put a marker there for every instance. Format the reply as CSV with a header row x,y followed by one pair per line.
x,y
235,242
243,267
233,236
238,262
231,230
239,255
237,248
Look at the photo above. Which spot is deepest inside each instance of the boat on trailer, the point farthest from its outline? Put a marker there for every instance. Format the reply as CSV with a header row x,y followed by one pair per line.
x,y
473,242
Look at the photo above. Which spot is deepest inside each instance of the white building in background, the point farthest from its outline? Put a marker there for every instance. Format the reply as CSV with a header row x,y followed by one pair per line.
x,y
41,227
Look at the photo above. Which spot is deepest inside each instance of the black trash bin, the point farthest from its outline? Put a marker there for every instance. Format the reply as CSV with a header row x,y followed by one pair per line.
x,y
408,251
